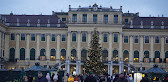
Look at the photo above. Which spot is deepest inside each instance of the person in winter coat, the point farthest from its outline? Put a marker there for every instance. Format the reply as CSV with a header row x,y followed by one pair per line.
x,y
25,79
76,79
40,78
122,78
145,79
48,77
55,78
70,79
52,77
116,78
30,78
90,78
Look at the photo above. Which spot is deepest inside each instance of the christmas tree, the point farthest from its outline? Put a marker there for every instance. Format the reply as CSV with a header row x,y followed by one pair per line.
x,y
94,63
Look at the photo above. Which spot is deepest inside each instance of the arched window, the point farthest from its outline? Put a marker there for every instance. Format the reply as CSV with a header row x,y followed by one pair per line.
x,y
42,54
166,57
126,55
63,55
22,54
52,54
12,54
83,55
74,37
157,57
84,37
32,54
136,56
105,56
115,56
146,56
73,55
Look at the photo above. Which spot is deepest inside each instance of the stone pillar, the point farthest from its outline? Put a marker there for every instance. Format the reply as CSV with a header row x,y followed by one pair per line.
x,y
162,48
58,47
129,67
7,46
27,47
89,38
67,66
110,70
131,50
120,47
48,47
151,48
141,55
78,46
17,52
38,47
68,45
77,68
100,39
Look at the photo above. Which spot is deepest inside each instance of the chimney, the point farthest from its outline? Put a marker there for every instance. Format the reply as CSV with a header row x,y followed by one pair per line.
x,y
162,15
11,13
121,8
69,7
79,6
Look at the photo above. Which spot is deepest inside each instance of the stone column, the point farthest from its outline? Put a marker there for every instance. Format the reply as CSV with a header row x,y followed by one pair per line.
x,y
162,48
89,38
120,47
48,46
100,39
27,47
38,46
131,50
151,48
110,55
141,55
78,52
68,53
58,47
17,52
7,45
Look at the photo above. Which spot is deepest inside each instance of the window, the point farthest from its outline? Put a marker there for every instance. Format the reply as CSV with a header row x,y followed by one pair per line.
x,y
115,37
136,39
157,57
136,56
63,37
157,39
146,56
12,36
166,57
115,56
126,21
22,54
53,37
22,36
12,54
84,18
43,37
3,53
146,39
74,37
125,39
32,54
63,19
84,37
95,18
74,18
52,54
42,54
115,18
126,56
105,56
83,55
166,39
63,55
105,18
32,37
73,55
105,37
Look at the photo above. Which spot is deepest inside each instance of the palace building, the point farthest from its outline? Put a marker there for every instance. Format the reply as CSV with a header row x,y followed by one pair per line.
x,y
129,42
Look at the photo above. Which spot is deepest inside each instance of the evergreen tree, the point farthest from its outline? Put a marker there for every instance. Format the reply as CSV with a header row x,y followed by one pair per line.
x,y
94,63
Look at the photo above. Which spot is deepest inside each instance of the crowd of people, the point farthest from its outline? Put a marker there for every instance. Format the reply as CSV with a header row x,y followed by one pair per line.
x,y
84,78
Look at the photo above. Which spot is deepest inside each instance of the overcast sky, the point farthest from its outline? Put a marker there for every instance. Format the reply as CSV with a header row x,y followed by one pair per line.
x,y
144,7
